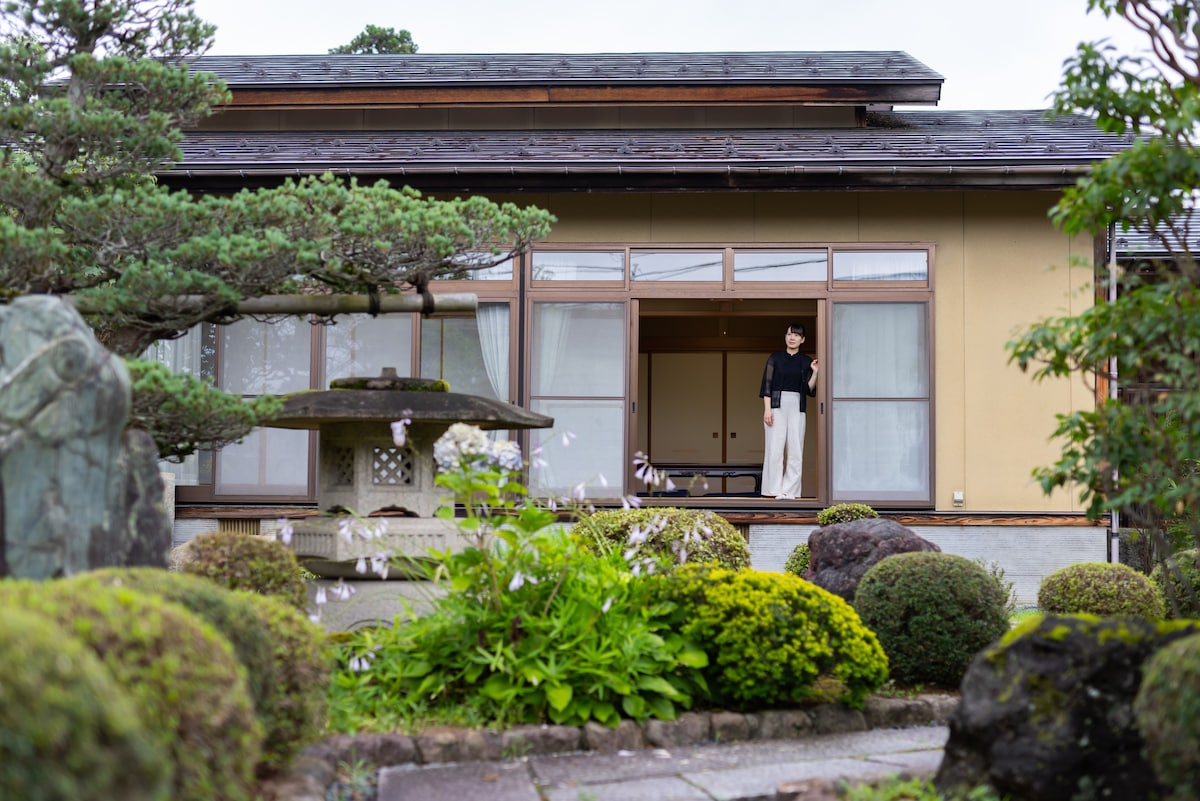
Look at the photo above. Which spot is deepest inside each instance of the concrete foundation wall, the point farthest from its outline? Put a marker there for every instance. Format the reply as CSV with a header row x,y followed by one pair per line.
x,y
1026,553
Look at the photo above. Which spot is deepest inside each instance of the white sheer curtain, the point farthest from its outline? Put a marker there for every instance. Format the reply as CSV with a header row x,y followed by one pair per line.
x,y
578,378
881,436
492,320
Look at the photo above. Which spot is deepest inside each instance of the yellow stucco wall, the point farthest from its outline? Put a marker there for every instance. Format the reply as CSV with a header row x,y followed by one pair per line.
x,y
999,266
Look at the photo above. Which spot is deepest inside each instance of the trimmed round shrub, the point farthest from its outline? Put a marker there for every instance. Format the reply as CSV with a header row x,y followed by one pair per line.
x,y
932,612
246,562
771,637
702,535
179,672
284,653
1168,715
68,732
1178,582
1100,588
844,513
797,561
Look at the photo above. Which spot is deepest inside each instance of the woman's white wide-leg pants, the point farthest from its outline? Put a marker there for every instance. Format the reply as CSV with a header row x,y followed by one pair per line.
x,y
783,455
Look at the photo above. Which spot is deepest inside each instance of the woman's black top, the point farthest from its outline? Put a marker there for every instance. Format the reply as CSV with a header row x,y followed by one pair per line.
x,y
786,372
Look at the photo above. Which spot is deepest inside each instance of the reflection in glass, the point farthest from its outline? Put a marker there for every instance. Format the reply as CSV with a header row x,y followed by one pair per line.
x,y
270,461
259,357
881,450
579,349
473,272
193,354
472,355
881,265
797,265
593,458
361,345
706,266
579,266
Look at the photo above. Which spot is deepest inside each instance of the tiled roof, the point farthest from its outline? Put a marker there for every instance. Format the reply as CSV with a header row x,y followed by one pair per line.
x,y
542,69
1164,242
995,143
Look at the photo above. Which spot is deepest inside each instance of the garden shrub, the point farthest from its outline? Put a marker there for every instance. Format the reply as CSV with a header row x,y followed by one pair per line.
x,y
287,663
1168,715
179,672
68,732
844,513
770,637
932,612
703,536
797,561
246,562
1100,588
1178,582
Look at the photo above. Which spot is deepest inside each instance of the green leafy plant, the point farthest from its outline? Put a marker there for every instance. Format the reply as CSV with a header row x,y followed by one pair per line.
x,y
844,513
287,661
247,562
1168,715
68,730
1100,588
932,612
797,561
1178,581
696,535
772,637
534,625
180,673
1006,585
910,789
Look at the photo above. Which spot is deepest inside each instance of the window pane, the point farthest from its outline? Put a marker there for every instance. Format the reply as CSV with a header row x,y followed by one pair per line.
x,y
270,461
579,349
803,265
881,450
880,350
470,354
361,345
471,272
594,457
677,266
192,354
259,358
579,266
877,265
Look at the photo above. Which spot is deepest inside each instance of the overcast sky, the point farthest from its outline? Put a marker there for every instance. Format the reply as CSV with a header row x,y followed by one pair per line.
x,y
997,54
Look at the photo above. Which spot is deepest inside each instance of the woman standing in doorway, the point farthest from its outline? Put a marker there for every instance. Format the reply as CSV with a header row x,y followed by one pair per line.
x,y
789,378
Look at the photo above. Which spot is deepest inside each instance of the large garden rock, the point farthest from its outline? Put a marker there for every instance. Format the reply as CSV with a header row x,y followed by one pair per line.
x,y
1047,714
840,554
75,491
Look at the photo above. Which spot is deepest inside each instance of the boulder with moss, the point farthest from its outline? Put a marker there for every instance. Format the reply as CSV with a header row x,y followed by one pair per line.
x,y
1047,713
1168,716
180,673
701,536
68,731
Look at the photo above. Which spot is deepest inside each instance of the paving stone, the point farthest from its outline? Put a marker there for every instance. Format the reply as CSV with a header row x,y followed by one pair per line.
x,y
440,744
669,788
467,781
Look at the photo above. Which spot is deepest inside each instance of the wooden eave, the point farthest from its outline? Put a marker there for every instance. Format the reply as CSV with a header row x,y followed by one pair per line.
x,y
304,97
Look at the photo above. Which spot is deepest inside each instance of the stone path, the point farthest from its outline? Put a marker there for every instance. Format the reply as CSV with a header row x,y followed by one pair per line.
x,y
745,771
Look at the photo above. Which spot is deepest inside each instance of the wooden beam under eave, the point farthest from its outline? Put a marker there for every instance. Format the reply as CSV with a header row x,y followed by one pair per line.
x,y
347,97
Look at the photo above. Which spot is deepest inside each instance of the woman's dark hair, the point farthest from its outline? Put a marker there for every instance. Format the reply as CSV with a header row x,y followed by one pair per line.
x,y
798,328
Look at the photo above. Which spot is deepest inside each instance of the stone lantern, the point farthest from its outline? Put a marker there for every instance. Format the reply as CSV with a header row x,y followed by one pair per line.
x,y
363,470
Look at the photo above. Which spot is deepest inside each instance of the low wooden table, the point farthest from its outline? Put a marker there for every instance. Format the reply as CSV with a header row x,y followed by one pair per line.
x,y
724,470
